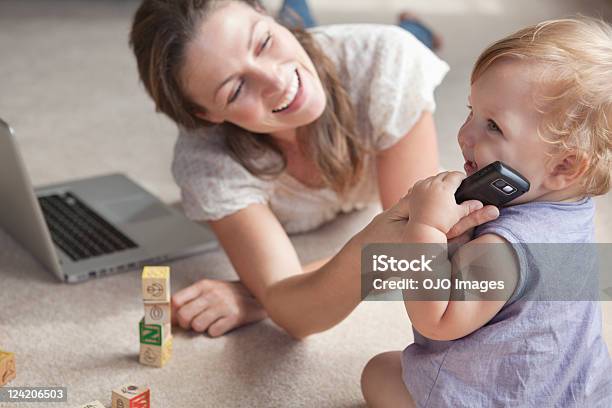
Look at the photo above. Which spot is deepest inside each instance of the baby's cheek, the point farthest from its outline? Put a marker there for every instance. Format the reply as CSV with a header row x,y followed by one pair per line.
x,y
534,166
516,157
490,155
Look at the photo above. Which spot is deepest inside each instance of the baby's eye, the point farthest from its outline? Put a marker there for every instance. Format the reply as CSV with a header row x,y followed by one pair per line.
x,y
470,113
492,126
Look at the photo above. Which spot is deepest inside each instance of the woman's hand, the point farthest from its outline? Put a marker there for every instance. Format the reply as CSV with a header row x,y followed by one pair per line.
x,y
215,306
389,226
461,233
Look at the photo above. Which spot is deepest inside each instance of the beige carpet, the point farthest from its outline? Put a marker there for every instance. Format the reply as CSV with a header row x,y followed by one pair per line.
x,y
69,88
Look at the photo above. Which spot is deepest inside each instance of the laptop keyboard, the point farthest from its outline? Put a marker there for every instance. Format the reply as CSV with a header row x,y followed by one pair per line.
x,y
78,230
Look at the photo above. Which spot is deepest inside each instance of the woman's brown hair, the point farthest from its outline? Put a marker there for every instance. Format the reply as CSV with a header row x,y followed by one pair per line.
x,y
160,32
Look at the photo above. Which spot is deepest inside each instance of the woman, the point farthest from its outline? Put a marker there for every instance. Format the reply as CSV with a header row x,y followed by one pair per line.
x,y
280,131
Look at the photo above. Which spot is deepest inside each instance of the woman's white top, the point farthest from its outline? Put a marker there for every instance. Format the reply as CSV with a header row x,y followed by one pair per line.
x,y
390,77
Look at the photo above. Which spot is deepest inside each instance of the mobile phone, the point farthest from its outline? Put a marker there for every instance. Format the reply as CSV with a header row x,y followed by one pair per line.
x,y
496,184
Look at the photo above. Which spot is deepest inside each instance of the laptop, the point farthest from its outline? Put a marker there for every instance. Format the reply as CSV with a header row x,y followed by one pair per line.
x,y
91,227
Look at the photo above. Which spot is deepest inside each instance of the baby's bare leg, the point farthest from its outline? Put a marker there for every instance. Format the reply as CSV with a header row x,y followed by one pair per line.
x,y
382,384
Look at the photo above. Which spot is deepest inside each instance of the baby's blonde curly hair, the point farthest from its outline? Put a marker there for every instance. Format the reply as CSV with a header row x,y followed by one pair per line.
x,y
576,54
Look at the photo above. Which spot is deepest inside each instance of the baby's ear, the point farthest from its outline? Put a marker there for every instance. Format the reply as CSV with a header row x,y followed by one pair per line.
x,y
566,170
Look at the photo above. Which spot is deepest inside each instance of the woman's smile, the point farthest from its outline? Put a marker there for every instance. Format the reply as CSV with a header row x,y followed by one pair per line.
x,y
294,97
290,93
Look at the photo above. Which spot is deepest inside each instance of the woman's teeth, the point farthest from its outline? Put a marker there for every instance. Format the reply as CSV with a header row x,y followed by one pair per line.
x,y
290,95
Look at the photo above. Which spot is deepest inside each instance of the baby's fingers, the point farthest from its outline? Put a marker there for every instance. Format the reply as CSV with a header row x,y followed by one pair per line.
x,y
453,178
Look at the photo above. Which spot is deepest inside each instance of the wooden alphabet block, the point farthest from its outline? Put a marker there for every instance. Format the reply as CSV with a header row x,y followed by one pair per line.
x,y
93,404
157,313
131,396
154,334
156,284
156,356
7,367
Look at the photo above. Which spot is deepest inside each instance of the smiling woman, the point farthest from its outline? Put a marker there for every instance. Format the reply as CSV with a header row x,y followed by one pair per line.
x,y
267,68
250,89
280,130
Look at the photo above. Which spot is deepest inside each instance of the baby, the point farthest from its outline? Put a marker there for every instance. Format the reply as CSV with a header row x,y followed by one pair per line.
x,y
541,102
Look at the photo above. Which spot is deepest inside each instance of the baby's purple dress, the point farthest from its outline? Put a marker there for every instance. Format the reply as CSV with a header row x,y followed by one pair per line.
x,y
532,353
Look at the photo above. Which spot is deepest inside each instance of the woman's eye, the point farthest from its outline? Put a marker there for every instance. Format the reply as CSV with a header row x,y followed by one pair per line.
x,y
235,94
492,126
265,43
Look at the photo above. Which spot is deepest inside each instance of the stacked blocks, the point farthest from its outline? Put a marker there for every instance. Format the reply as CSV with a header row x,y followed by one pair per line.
x,y
7,367
131,396
155,328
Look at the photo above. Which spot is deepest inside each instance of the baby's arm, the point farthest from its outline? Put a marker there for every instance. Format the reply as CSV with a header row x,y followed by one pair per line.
x,y
488,257
432,213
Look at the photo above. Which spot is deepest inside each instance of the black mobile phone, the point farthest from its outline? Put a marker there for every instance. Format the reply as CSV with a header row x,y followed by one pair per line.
x,y
495,184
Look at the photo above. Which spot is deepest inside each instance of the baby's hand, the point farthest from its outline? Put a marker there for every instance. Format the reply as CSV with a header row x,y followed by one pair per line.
x,y
432,201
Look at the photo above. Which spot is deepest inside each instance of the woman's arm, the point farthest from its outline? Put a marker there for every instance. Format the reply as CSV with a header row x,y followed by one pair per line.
x,y
258,247
266,261
314,265
412,158
262,254
264,258
218,306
